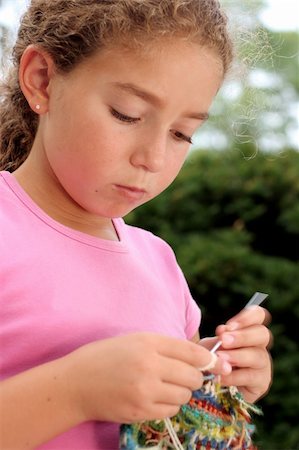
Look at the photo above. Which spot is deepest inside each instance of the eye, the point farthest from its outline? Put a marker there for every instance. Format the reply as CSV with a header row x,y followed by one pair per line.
x,y
123,117
182,137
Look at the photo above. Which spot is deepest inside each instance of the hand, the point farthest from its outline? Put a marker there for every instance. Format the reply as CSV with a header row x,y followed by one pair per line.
x,y
245,339
136,377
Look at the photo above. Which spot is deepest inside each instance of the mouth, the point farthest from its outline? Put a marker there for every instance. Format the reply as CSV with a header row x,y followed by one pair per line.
x,y
131,192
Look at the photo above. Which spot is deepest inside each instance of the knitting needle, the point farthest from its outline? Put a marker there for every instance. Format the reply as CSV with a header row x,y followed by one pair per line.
x,y
257,299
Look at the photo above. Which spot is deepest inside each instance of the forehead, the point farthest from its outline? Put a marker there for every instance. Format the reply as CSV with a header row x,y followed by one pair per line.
x,y
159,72
156,49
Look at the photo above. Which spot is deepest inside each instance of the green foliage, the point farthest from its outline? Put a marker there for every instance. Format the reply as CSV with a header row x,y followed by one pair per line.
x,y
256,104
234,224
285,57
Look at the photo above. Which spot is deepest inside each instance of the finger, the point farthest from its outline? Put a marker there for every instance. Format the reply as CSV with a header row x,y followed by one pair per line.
x,y
271,340
243,377
173,395
188,352
253,336
251,382
268,317
181,373
253,315
161,411
209,342
211,364
155,412
254,394
178,373
254,357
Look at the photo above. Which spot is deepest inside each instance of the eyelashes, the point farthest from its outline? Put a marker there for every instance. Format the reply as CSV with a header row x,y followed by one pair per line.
x,y
123,117
131,120
183,137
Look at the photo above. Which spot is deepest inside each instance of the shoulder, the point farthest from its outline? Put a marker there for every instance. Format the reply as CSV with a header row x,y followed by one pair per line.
x,y
10,205
153,253
146,240
13,225
6,199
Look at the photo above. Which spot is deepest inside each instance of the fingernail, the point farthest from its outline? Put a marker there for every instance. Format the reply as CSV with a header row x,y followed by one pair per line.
x,y
252,307
227,368
224,356
227,339
210,365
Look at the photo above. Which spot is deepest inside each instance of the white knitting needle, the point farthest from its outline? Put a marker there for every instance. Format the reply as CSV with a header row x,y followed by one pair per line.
x,y
257,299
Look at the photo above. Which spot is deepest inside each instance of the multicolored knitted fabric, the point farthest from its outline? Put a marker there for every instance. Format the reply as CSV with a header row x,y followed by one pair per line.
x,y
216,417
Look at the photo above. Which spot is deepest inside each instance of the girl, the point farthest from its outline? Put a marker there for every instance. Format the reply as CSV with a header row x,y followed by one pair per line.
x,y
98,326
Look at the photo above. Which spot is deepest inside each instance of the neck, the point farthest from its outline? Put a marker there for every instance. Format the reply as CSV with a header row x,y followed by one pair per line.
x,y
45,190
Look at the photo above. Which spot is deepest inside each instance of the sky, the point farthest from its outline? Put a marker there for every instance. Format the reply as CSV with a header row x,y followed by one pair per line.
x,y
279,15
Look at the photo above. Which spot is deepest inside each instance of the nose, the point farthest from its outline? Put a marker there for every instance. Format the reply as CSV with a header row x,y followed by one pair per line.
x,y
150,154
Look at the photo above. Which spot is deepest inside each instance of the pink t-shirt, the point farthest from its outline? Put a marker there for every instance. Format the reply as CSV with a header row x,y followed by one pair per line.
x,y
61,289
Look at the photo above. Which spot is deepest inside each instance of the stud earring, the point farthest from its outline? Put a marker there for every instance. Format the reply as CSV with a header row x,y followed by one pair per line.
x,y
37,107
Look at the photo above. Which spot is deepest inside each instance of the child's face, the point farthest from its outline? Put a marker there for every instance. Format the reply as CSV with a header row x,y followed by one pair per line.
x,y
117,128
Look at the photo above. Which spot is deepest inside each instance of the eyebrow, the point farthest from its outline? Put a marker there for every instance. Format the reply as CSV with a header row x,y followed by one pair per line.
x,y
153,99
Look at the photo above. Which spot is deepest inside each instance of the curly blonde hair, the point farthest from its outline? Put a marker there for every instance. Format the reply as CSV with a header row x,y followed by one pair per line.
x,y
72,30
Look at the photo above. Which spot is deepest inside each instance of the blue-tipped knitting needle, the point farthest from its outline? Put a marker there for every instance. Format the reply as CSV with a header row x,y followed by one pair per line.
x,y
257,299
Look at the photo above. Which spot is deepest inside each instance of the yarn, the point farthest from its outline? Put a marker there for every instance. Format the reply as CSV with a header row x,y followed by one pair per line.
x,y
216,417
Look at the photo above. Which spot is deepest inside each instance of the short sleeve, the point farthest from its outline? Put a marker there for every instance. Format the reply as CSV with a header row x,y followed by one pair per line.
x,y
192,312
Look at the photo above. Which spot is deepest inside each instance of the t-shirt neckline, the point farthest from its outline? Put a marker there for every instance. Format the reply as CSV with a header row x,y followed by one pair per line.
x,y
77,235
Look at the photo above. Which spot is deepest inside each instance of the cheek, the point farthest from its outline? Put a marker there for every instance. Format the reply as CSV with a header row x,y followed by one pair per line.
x,y
176,163
172,169
74,143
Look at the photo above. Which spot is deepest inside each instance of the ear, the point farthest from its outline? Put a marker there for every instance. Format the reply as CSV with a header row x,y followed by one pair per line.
x,y
36,71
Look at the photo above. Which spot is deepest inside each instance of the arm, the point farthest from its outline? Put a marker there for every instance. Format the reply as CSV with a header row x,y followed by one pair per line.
x,y
43,402
196,338
36,405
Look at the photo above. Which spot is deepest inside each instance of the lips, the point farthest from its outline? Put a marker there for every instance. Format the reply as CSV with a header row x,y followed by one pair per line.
x,y
130,192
